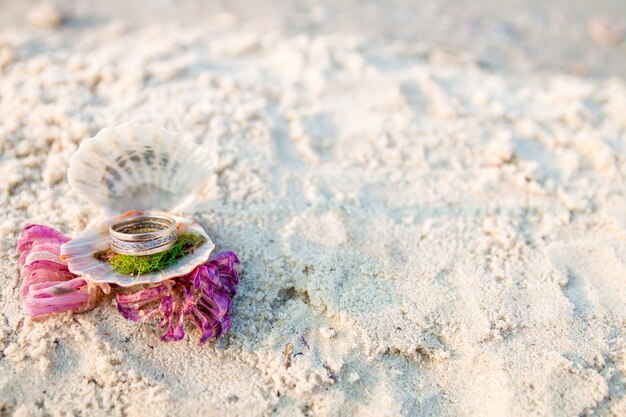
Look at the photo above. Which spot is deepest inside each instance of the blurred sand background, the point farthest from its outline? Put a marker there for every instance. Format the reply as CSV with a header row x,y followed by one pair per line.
x,y
513,35
428,200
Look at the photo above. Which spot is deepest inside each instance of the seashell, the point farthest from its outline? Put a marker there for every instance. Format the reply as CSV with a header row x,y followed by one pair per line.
x,y
79,253
140,167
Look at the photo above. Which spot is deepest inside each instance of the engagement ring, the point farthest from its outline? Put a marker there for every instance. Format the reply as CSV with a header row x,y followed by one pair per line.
x,y
142,235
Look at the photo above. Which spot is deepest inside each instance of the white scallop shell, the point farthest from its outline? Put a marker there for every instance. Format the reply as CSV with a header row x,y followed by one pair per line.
x,y
78,253
140,167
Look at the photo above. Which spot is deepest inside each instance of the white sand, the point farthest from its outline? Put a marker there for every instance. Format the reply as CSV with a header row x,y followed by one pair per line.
x,y
416,239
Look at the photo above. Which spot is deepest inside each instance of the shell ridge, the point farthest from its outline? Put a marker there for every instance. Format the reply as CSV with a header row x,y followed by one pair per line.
x,y
143,167
78,253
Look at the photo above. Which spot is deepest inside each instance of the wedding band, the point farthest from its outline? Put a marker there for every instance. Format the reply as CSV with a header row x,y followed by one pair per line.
x,y
142,235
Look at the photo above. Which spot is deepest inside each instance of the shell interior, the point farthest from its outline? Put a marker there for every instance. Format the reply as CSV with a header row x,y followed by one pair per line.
x,y
140,167
79,253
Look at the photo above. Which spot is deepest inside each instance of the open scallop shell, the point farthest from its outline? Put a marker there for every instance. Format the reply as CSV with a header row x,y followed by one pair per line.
x,y
79,253
140,167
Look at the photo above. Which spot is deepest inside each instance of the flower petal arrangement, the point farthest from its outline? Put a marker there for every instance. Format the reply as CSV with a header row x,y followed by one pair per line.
x,y
48,286
145,178
203,297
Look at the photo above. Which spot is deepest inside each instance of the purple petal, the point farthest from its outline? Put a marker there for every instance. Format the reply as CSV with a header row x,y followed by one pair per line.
x,y
228,284
51,245
144,296
165,308
130,305
33,232
209,273
48,286
208,326
218,306
202,297
225,259
44,275
51,267
175,329
195,276
59,296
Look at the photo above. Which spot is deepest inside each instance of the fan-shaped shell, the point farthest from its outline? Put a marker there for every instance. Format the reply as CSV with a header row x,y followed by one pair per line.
x,y
79,253
140,167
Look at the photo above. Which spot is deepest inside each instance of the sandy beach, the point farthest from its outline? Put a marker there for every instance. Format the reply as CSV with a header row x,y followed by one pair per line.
x,y
420,234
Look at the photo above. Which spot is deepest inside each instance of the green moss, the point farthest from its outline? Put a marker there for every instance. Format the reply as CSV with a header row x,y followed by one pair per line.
x,y
137,265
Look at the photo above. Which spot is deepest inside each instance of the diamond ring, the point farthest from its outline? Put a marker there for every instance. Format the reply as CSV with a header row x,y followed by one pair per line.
x,y
142,235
